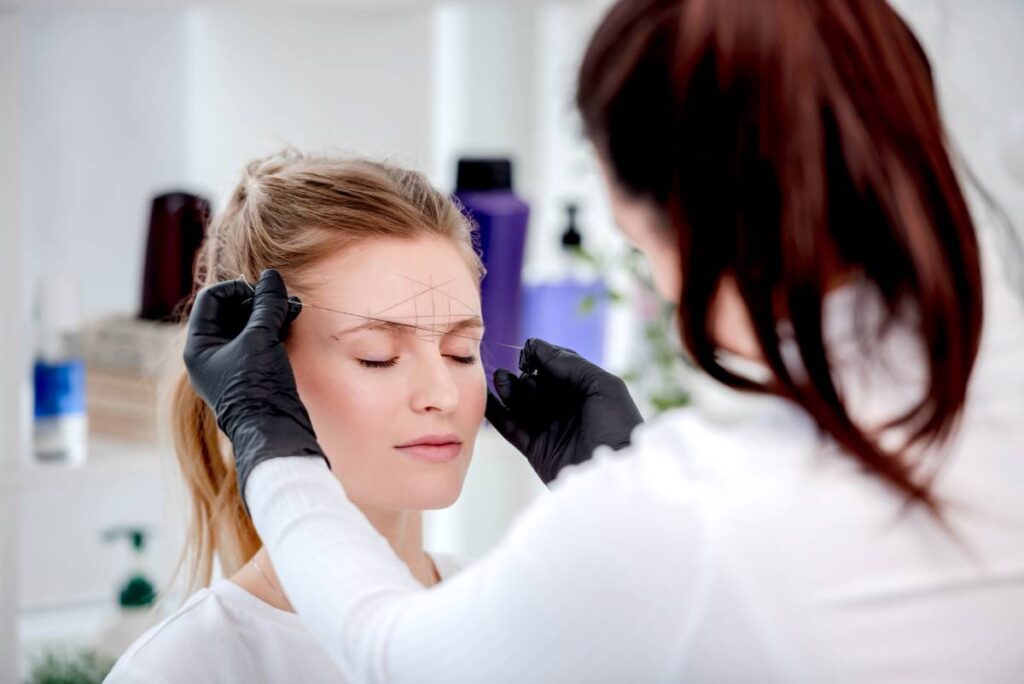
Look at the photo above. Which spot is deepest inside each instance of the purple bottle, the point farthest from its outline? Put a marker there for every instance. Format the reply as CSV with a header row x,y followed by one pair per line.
x,y
571,310
484,187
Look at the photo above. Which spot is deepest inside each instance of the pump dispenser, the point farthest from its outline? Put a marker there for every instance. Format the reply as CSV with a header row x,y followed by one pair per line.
x,y
569,307
135,597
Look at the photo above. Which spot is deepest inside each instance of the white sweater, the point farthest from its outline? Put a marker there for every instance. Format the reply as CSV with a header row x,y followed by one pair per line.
x,y
726,545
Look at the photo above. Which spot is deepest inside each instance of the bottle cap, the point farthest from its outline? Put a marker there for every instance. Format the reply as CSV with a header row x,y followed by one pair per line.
x,y
476,175
571,236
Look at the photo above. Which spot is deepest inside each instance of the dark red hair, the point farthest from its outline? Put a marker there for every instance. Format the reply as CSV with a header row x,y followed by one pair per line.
x,y
784,142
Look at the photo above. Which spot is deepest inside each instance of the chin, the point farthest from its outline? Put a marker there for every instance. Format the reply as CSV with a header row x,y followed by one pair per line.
x,y
418,492
434,492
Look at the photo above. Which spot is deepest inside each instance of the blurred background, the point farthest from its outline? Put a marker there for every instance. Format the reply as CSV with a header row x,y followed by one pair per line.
x,y
122,124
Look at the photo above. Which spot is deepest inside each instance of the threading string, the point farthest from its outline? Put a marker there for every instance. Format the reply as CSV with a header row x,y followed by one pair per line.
x,y
405,325
295,300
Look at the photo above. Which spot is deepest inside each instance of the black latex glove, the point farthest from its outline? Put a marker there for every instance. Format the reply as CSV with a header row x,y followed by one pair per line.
x,y
560,408
237,363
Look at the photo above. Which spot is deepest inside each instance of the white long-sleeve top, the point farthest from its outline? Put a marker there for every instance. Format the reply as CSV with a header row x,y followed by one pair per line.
x,y
729,543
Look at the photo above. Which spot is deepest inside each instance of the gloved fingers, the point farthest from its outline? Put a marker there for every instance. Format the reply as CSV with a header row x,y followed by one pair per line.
x,y
271,307
505,383
505,423
559,363
294,307
220,311
527,397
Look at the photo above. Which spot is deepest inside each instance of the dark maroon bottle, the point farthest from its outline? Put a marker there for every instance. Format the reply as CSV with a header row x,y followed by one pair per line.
x,y
177,224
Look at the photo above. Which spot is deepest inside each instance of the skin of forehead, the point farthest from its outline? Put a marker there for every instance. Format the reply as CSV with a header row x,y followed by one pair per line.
x,y
433,306
429,319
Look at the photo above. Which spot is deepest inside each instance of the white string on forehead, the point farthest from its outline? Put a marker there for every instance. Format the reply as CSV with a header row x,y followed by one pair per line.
x,y
393,321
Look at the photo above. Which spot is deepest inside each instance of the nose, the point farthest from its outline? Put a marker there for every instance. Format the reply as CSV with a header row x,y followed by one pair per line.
x,y
434,388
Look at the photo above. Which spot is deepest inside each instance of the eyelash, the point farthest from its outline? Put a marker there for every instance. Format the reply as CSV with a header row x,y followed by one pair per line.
x,y
465,360
378,364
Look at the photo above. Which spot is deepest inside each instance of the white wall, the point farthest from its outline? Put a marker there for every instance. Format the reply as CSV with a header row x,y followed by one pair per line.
x,y
566,169
257,79
126,104
13,366
977,56
13,369
504,85
102,133
484,95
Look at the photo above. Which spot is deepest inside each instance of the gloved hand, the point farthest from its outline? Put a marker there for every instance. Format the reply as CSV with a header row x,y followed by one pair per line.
x,y
237,362
560,408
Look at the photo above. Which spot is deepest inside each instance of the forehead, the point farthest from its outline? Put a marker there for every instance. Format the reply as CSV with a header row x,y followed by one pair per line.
x,y
393,278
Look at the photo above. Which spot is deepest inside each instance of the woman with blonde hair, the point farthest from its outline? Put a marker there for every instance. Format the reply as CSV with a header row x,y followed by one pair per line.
x,y
397,408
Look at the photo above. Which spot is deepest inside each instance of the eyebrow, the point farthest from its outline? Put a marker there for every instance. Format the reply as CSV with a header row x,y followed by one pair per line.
x,y
398,328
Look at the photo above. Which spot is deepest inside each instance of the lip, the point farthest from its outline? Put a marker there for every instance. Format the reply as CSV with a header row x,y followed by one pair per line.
x,y
433,448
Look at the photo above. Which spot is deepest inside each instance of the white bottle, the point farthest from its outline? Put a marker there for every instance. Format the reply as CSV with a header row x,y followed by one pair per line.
x,y
60,428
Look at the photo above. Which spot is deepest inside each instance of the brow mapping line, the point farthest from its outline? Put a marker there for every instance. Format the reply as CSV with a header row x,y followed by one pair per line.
x,y
301,303
416,296
433,331
433,287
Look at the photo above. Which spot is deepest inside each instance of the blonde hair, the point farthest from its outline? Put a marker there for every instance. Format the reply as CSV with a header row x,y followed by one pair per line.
x,y
288,211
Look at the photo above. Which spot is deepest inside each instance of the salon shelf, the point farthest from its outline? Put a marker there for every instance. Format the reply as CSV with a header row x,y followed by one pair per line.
x,y
65,510
104,457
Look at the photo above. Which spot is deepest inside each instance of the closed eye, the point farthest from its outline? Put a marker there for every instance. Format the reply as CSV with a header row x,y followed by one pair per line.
x,y
369,363
468,360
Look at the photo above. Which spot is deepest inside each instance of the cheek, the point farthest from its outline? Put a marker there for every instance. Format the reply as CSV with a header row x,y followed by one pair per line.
x,y
355,412
658,248
472,395
350,410
667,274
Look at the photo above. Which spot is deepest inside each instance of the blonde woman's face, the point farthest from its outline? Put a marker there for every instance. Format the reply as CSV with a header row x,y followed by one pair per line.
x,y
396,393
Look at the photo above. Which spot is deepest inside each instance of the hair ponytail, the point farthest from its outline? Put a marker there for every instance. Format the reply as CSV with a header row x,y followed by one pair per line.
x,y
220,527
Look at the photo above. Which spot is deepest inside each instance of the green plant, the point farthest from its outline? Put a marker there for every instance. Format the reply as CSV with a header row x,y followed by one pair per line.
x,y
61,667
656,376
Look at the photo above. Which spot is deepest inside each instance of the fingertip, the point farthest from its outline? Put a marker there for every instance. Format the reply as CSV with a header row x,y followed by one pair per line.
x,y
504,385
526,355
271,306
221,308
497,414
213,296
294,307
495,411
493,403
270,279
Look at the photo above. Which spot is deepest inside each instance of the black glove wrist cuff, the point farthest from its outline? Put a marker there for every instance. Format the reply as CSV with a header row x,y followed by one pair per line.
x,y
256,442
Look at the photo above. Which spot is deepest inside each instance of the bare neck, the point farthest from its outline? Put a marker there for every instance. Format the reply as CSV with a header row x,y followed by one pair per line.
x,y
731,325
402,529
